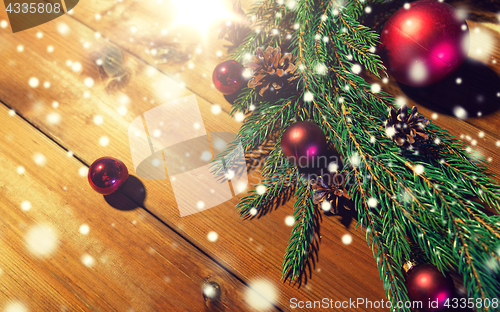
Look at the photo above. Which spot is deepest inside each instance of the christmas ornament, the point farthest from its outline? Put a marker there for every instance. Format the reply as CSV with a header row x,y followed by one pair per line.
x,y
107,174
302,143
426,284
329,189
273,72
228,77
407,130
423,43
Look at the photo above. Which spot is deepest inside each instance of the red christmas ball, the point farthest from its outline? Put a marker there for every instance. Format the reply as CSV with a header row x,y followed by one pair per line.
x,y
424,42
302,143
107,174
426,284
228,77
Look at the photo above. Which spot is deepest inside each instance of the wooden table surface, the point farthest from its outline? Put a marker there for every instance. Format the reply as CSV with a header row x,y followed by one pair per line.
x,y
64,247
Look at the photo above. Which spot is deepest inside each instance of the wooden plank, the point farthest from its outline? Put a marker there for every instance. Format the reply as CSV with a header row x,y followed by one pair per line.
x,y
252,249
64,248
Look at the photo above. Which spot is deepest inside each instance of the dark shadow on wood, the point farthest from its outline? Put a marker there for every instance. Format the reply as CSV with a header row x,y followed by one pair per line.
x,y
346,212
129,196
476,93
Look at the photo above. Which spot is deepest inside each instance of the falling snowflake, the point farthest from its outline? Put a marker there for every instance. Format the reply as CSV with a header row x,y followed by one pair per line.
x,y
122,111
347,239
41,240
39,159
216,109
261,189
200,205
63,29
83,171
16,306
308,96
88,260
25,205
98,120
326,206
84,229
419,169
261,295
289,220
376,88
212,236
372,202
355,159
88,82
53,118
33,82
321,69
356,68
239,117
460,112
418,72
104,141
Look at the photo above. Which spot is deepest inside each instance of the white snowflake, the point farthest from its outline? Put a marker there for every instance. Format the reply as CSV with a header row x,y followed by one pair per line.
x,y
39,159
347,239
376,88
356,68
88,82
88,260
460,112
33,82
41,240
289,220
326,206
261,189
212,236
84,229
308,96
25,205
419,169
261,295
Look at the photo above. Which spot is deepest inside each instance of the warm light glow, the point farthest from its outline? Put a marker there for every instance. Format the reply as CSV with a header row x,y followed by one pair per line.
x,y
200,14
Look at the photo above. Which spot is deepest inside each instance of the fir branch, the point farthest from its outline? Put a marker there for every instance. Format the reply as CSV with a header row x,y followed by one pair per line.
x,y
394,201
303,238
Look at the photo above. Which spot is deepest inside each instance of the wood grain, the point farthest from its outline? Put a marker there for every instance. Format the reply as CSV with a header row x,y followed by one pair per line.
x,y
251,250
64,248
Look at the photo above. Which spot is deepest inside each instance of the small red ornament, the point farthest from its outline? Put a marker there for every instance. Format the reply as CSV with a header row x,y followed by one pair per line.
x,y
302,143
107,174
228,77
424,42
426,284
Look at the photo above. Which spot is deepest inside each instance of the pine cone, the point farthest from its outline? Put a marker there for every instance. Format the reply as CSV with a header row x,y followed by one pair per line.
x,y
273,73
331,189
407,130
235,30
